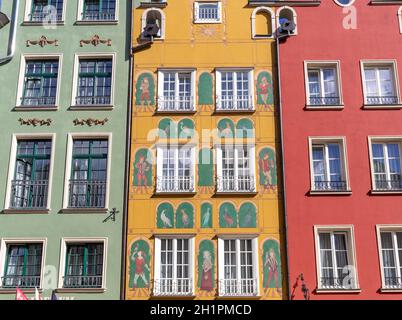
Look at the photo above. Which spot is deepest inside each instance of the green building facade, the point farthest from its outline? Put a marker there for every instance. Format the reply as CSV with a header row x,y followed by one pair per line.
x,y
63,100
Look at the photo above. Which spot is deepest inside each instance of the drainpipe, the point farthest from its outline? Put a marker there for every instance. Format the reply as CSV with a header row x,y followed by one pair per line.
x,y
278,38
13,33
127,164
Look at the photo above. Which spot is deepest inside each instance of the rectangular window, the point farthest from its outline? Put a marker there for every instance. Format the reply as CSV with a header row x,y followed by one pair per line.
x,y
238,273
29,187
323,88
386,165
174,267
94,82
235,169
98,10
207,12
44,10
84,265
23,265
391,258
234,90
40,83
334,257
175,169
380,84
328,165
176,90
88,181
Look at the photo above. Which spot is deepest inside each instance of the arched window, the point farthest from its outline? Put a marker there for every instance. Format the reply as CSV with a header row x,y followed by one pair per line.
x,y
154,16
400,19
262,23
283,15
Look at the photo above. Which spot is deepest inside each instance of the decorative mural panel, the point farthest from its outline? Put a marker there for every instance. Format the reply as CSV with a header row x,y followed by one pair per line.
x,y
145,90
272,272
247,215
226,128
165,216
186,128
167,128
227,216
185,216
265,91
140,257
244,129
205,168
267,168
206,265
205,89
206,215
143,168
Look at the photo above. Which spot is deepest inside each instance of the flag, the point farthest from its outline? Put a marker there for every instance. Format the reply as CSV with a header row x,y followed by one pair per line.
x,y
54,296
38,296
19,295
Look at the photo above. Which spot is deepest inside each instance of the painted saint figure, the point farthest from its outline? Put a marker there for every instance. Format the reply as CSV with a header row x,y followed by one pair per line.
x,y
271,264
145,97
264,87
140,264
142,167
267,166
206,277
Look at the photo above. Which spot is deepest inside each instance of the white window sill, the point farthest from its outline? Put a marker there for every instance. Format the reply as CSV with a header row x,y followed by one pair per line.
x,y
91,107
324,107
13,291
243,297
36,108
235,110
42,23
329,192
382,106
257,37
379,192
220,192
176,111
97,22
184,193
207,22
26,211
81,290
388,290
84,210
338,291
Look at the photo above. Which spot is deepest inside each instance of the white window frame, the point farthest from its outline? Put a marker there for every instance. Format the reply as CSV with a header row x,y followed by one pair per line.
x,y
218,81
210,21
12,163
159,163
400,19
219,165
308,65
380,64
350,239
67,174
157,257
344,162
161,78
162,28
393,229
278,12
221,259
21,79
27,13
383,140
63,251
253,26
84,56
80,10
3,255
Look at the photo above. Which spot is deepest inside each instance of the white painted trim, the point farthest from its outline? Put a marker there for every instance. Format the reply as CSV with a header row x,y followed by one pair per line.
x,y
13,155
81,10
196,19
86,135
85,240
349,230
278,12
162,29
400,19
28,8
3,253
88,55
21,78
253,27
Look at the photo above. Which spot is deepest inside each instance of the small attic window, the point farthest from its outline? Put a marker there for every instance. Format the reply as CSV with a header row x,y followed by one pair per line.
x,y
207,12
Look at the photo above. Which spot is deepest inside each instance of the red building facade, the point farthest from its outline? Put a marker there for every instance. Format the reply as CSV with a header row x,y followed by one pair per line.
x,y
342,136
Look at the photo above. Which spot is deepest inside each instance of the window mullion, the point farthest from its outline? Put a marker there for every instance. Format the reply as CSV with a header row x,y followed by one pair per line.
x,y
327,167
377,73
234,79
322,90
174,259
386,161
397,262
333,250
85,262
236,167
176,94
238,261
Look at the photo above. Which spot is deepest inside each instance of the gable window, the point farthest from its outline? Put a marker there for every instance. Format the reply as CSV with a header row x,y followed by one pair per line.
x,y
98,10
386,165
23,265
87,187
262,23
207,12
235,166
235,90
174,264
380,83
391,255
43,10
323,85
336,266
176,90
94,82
175,169
328,165
238,270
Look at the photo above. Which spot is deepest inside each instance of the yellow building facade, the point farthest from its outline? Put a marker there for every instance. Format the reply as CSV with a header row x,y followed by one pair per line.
x,y
205,217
